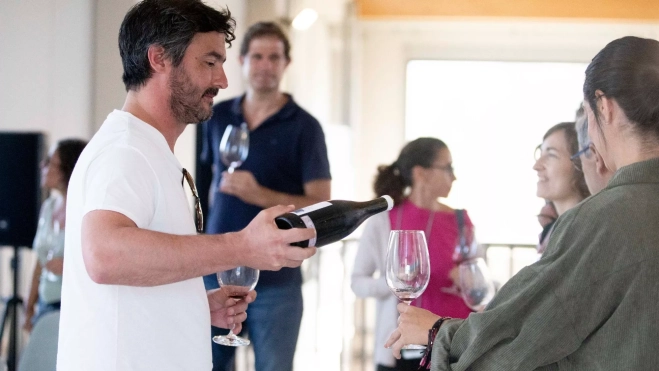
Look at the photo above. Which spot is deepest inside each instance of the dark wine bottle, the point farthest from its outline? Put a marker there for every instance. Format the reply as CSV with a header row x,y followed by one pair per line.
x,y
333,220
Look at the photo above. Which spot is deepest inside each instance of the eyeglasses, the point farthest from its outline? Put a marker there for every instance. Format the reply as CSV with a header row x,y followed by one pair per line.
x,y
576,158
199,220
537,153
448,168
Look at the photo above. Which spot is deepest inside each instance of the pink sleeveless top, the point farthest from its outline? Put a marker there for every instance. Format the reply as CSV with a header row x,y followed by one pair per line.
x,y
441,244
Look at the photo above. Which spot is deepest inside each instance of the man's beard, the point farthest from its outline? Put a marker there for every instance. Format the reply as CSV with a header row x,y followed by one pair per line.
x,y
186,99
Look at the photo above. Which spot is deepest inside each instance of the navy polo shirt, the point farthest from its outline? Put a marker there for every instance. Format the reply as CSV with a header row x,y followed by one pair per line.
x,y
286,151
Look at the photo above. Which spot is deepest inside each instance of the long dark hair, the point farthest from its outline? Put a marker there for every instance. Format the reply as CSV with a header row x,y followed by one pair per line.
x,y
571,138
69,151
393,179
171,24
627,70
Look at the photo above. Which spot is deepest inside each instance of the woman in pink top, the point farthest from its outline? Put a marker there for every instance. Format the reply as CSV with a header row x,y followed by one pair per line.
x,y
421,175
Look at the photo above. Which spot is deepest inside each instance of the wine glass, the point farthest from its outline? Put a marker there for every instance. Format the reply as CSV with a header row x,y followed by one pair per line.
x,y
476,285
234,146
407,269
238,282
54,249
466,248
465,245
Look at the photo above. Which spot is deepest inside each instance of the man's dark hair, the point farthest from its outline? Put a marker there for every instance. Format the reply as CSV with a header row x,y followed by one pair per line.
x,y
265,29
171,24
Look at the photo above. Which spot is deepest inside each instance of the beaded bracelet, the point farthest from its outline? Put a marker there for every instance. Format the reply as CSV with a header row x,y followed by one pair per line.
x,y
432,334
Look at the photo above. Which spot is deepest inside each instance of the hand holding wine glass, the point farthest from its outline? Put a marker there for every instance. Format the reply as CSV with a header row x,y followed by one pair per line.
x,y
407,269
476,285
238,282
234,146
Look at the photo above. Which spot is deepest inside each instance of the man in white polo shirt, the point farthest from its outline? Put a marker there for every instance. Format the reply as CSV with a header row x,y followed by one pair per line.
x,y
133,296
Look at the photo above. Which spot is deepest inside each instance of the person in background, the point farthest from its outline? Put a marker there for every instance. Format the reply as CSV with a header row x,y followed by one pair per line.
x,y
421,175
559,179
589,303
46,288
287,164
594,170
133,296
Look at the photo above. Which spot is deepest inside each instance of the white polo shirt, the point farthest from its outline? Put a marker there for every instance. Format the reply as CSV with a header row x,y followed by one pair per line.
x,y
128,168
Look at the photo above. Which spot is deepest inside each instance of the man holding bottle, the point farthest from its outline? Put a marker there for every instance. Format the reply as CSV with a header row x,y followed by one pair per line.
x,y
132,295
287,164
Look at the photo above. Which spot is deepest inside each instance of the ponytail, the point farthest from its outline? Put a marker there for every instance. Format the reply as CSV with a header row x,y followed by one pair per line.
x,y
390,182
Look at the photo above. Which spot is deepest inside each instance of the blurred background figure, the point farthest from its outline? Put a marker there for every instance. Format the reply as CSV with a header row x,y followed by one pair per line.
x,y
421,175
46,288
595,172
287,164
560,180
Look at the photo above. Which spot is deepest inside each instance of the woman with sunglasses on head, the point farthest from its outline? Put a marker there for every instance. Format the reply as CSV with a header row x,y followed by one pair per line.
x,y
46,288
560,180
590,302
421,175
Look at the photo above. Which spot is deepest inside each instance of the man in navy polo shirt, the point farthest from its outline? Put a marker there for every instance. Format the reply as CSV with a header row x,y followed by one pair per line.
x,y
287,164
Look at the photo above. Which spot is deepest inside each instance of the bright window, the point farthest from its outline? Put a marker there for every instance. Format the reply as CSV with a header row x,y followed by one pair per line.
x,y
492,115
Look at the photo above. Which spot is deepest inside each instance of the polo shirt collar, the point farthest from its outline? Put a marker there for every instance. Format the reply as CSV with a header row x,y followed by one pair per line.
x,y
286,112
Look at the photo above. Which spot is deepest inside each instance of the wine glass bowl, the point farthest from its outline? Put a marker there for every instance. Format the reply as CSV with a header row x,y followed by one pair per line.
x,y
407,270
234,146
476,285
238,282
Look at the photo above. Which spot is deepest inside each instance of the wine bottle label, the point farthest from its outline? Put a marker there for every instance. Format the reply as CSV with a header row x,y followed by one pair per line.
x,y
309,224
314,207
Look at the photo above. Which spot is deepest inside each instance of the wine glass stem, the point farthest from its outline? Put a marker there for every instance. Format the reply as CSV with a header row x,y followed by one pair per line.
x,y
231,168
231,335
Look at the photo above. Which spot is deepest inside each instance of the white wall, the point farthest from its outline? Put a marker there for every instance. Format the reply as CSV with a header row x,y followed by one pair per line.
x,y
385,47
46,67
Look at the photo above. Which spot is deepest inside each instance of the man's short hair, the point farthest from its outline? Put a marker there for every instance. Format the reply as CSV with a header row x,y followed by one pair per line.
x,y
169,23
265,29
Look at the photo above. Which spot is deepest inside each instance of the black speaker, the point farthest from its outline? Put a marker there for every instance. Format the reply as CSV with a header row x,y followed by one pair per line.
x,y
20,187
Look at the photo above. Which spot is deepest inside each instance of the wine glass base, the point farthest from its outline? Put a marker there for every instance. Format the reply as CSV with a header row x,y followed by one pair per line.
x,y
413,346
235,341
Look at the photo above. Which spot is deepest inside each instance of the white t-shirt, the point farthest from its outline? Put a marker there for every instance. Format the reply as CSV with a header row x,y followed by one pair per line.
x,y
128,168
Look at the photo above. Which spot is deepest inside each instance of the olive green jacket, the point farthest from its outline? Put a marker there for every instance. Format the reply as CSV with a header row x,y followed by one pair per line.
x,y
590,303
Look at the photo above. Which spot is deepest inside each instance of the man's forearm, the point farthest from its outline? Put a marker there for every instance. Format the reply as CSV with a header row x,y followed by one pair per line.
x,y
127,255
268,198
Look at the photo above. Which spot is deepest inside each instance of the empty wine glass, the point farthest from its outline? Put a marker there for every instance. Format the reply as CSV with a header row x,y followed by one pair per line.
x,y
476,285
407,269
234,146
238,282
